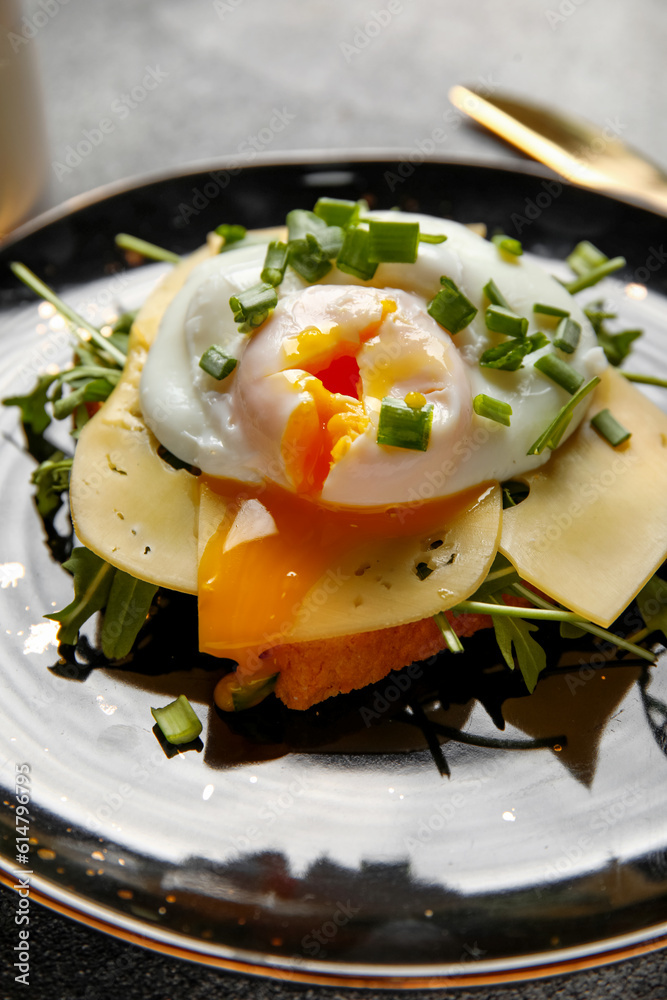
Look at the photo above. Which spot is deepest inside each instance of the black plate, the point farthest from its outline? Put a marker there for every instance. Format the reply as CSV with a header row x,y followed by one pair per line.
x,y
322,849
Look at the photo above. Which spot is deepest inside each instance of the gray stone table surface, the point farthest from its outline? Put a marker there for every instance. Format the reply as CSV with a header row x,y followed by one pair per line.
x,y
208,77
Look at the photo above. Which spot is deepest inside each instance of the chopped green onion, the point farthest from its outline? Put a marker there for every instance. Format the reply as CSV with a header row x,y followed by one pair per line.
x,y
494,295
178,721
423,570
275,263
252,307
77,322
299,222
545,310
216,363
502,320
608,426
231,233
308,258
393,242
493,409
508,245
402,426
450,308
593,276
454,644
232,696
509,355
585,257
567,336
353,256
150,250
559,372
334,211
433,238
551,437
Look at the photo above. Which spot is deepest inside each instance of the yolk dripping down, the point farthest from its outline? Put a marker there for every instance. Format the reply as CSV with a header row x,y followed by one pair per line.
x,y
324,424
273,546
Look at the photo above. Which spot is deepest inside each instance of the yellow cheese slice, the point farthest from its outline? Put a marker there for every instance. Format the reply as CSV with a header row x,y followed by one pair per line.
x,y
594,526
128,505
376,586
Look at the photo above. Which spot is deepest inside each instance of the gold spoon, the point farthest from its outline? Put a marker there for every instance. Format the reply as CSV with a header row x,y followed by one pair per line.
x,y
585,154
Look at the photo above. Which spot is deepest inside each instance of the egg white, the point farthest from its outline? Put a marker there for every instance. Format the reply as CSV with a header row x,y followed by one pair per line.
x,y
234,429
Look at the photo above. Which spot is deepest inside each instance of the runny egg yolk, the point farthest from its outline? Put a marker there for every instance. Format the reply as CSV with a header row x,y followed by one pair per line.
x,y
271,547
330,415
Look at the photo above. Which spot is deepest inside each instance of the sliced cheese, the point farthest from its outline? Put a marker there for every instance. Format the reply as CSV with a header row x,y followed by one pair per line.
x,y
374,585
128,505
594,526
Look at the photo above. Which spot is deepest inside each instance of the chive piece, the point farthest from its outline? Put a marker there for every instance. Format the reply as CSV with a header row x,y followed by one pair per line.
x,y
77,322
308,259
567,336
423,570
494,295
231,233
232,696
150,250
450,308
432,238
402,426
215,362
545,310
353,256
559,372
393,242
508,244
594,275
551,437
493,409
252,306
502,320
454,644
299,222
275,263
334,211
608,426
585,257
178,721
509,356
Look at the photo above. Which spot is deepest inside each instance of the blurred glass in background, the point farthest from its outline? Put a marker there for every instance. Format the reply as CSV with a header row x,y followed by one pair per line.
x,y
23,147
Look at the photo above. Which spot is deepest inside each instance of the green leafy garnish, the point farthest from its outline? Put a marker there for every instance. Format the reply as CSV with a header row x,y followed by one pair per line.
x,y
97,585
92,582
450,308
492,409
606,424
652,604
513,636
616,346
403,426
51,478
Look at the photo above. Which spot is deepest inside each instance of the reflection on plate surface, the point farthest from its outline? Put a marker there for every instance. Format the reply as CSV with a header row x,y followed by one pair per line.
x,y
327,844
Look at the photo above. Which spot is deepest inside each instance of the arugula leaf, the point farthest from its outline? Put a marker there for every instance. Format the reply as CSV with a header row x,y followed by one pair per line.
x,y
98,586
51,478
94,391
92,582
513,638
652,604
33,405
126,610
616,346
